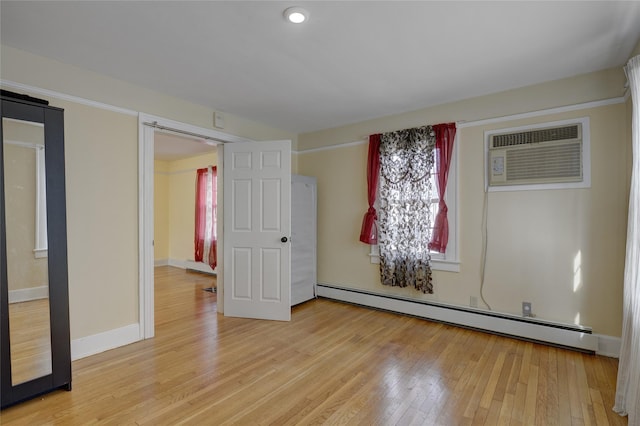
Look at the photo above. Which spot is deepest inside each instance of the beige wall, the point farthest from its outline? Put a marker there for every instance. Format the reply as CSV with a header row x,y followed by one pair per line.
x,y
182,195
174,220
101,151
562,250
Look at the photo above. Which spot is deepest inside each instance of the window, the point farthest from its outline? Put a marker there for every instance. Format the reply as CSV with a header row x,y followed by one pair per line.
x,y
205,240
447,261
35,152
41,247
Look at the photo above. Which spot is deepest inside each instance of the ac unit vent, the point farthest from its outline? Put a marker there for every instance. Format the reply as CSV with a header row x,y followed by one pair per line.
x,y
557,163
536,136
537,156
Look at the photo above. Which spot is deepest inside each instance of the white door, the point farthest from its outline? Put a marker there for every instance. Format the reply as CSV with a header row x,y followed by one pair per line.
x,y
257,230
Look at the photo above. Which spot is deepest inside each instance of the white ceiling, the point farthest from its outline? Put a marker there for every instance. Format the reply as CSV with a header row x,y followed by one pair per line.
x,y
352,61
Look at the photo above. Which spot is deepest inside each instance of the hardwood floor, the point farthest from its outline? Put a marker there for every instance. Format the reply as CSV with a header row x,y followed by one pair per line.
x,y
332,364
30,340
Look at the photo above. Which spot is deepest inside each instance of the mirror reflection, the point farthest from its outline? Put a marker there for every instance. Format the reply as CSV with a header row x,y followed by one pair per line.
x,y
27,263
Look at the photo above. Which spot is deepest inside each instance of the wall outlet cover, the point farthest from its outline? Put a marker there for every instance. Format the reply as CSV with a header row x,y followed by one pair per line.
x,y
218,120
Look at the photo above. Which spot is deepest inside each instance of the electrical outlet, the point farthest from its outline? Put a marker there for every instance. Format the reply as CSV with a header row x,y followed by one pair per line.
x,y
473,302
526,309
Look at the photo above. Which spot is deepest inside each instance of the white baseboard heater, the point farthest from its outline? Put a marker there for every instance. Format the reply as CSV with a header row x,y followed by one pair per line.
x,y
192,265
569,336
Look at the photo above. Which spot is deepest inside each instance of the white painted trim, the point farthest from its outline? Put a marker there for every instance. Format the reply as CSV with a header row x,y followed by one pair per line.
x,y
28,294
31,145
609,346
40,253
62,96
445,265
185,127
161,262
191,264
146,312
436,264
505,324
550,111
326,148
97,343
41,240
176,263
198,266
494,120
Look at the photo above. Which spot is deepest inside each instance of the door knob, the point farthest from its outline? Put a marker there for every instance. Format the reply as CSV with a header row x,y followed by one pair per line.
x,y
284,239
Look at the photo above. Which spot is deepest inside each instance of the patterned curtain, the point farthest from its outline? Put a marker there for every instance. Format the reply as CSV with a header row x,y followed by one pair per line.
x,y
406,162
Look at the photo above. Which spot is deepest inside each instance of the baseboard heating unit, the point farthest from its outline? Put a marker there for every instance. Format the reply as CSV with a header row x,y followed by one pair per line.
x,y
569,336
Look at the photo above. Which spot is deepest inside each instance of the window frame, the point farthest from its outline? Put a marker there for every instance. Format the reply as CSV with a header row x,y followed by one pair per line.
x,y
448,261
40,244
41,249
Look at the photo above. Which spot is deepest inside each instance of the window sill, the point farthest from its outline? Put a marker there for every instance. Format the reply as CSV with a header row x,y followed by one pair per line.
x,y
436,264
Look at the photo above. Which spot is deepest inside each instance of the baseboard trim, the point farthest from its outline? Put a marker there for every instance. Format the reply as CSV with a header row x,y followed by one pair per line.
x,y
97,343
192,265
608,346
27,294
161,262
561,335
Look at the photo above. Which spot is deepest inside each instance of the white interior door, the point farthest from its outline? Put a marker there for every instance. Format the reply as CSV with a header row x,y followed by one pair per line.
x,y
257,230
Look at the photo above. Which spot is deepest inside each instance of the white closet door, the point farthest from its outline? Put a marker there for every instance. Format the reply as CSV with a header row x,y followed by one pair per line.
x,y
303,238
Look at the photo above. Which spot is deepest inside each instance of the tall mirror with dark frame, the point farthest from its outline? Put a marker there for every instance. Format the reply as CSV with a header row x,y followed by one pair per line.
x,y
35,351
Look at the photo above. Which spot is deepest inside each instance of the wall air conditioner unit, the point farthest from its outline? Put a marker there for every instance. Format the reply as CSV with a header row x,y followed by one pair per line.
x,y
546,156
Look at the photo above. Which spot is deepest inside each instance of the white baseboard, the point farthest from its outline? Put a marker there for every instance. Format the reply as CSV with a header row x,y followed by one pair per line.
x,y
192,264
91,345
608,346
565,335
27,294
161,262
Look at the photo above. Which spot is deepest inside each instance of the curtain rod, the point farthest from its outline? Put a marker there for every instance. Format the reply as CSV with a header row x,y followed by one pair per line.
x,y
155,125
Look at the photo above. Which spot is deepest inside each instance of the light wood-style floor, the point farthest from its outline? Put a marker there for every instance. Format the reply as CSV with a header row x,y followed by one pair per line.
x,y
332,364
30,336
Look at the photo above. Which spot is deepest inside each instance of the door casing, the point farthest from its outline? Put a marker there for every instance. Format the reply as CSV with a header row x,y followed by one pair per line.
x,y
146,209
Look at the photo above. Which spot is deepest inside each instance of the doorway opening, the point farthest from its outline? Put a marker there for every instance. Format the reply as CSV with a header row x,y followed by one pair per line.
x,y
176,136
177,161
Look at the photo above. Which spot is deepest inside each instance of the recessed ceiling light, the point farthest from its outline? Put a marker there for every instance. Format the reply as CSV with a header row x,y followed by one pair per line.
x,y
296,15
